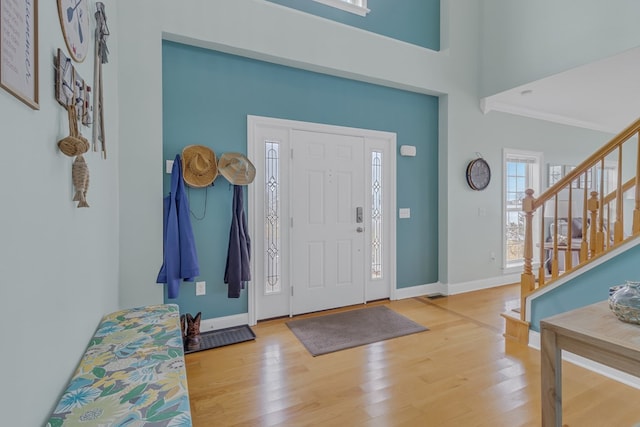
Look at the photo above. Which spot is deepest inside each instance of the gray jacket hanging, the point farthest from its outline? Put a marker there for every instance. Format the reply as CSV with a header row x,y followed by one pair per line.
x,y
237,271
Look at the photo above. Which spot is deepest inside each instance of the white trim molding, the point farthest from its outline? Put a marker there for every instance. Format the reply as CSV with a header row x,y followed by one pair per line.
x,y
476,285
489,104
224,322
347,6
420,291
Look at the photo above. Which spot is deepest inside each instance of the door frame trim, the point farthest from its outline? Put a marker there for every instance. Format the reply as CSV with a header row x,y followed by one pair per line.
x,y
253,123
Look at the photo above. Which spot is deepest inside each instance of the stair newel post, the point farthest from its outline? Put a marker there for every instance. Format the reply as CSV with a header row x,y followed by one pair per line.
x,y
527,281
618,233
636,210
596,237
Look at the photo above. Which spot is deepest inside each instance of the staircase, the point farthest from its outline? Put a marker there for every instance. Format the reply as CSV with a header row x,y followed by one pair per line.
x,y
578,220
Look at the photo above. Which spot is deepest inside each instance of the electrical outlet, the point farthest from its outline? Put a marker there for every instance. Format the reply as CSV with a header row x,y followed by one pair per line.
x,y
201,288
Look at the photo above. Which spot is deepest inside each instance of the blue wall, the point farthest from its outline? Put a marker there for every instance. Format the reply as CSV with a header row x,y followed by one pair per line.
x,y
206,98
588,288
412,21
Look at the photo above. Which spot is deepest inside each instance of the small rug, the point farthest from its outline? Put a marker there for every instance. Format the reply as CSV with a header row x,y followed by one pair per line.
x,y
334,332
222,337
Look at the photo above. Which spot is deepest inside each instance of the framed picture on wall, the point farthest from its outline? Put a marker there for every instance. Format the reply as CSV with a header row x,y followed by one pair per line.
x,y
64,79
19,50
82,98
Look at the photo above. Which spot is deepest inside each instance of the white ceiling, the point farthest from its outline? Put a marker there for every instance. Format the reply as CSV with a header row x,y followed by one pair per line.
x,y
603,95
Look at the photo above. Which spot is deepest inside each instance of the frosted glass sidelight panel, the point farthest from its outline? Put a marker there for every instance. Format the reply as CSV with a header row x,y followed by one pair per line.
x,y
273,283
376,215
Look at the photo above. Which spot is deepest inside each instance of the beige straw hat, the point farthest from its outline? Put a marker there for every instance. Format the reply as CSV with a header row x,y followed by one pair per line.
x,y
237,168
199,166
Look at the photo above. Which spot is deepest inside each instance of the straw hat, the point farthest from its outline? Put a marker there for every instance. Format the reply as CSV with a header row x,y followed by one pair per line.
x,y
237,168
199,166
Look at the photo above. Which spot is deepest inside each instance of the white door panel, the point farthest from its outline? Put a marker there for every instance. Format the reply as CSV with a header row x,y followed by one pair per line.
x,y
327,251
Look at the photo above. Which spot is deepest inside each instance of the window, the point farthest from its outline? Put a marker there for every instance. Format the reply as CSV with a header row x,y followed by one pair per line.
x,y
521,171
377,226
272,217
359,7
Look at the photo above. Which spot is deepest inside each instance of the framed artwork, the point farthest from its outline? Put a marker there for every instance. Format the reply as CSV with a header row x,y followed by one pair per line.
x,y
555,173
64,79
19,50
71,88
82,98
74,20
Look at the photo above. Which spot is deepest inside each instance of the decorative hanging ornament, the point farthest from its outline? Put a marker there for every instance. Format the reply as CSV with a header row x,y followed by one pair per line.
x,y
74,20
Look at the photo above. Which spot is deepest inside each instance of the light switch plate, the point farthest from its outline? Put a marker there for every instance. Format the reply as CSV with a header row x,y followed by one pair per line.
x,y
169,166
405,213
201,288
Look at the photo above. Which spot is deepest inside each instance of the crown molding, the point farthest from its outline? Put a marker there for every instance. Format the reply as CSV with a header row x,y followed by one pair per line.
x,y
488,104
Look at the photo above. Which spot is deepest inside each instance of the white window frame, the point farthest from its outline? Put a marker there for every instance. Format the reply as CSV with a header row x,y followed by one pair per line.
x,y
535,181
359,7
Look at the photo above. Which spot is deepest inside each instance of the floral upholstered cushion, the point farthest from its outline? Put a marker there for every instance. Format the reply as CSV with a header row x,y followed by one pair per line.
x,y
132,374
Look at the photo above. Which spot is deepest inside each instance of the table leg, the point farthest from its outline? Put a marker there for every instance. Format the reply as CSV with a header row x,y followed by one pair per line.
x,y
551,379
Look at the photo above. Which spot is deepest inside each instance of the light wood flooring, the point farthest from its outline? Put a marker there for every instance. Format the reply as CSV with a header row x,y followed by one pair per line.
x,y
456,374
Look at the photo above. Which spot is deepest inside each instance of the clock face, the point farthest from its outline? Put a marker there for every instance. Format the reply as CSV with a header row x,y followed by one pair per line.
x,y
478,174
74,20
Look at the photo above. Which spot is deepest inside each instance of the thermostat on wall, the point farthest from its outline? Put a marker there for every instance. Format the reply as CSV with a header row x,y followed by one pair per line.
x,y
408,150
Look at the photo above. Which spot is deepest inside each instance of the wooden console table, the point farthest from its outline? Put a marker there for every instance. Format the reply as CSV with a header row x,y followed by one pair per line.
x,y
593,332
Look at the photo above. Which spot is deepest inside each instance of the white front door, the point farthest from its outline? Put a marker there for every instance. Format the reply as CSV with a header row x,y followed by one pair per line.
x,y
328,221
307,251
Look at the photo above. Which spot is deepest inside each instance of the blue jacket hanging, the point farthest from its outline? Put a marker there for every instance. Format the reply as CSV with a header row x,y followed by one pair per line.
x,y
238,270
180,260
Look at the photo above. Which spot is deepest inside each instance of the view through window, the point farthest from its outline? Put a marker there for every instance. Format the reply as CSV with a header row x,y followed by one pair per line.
x,y
522,171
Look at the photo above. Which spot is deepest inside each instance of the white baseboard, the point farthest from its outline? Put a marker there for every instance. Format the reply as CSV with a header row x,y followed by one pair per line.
x,y
614,374
455,288
476,285
400,293
224,322
421,290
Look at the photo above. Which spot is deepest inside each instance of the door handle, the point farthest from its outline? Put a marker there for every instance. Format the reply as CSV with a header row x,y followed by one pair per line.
x,y
359,229
359,215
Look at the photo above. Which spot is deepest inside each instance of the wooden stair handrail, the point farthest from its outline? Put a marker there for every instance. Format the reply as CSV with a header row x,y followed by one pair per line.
x,y
593,210
601,153
625,187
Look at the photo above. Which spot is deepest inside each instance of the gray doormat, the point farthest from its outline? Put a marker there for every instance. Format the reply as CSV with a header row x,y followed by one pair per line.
x,y
339,331
222,337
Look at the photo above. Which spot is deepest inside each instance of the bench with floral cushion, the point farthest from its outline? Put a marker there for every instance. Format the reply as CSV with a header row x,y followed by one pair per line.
x,y
132,373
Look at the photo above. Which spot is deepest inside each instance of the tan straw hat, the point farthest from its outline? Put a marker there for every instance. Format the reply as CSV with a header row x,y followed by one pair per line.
x,y
237,168
199,166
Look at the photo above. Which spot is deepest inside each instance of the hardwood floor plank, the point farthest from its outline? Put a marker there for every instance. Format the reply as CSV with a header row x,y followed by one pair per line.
x,y
456,374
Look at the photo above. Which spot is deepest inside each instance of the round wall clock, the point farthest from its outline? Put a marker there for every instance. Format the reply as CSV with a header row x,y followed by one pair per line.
x,y
74,20
478,174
